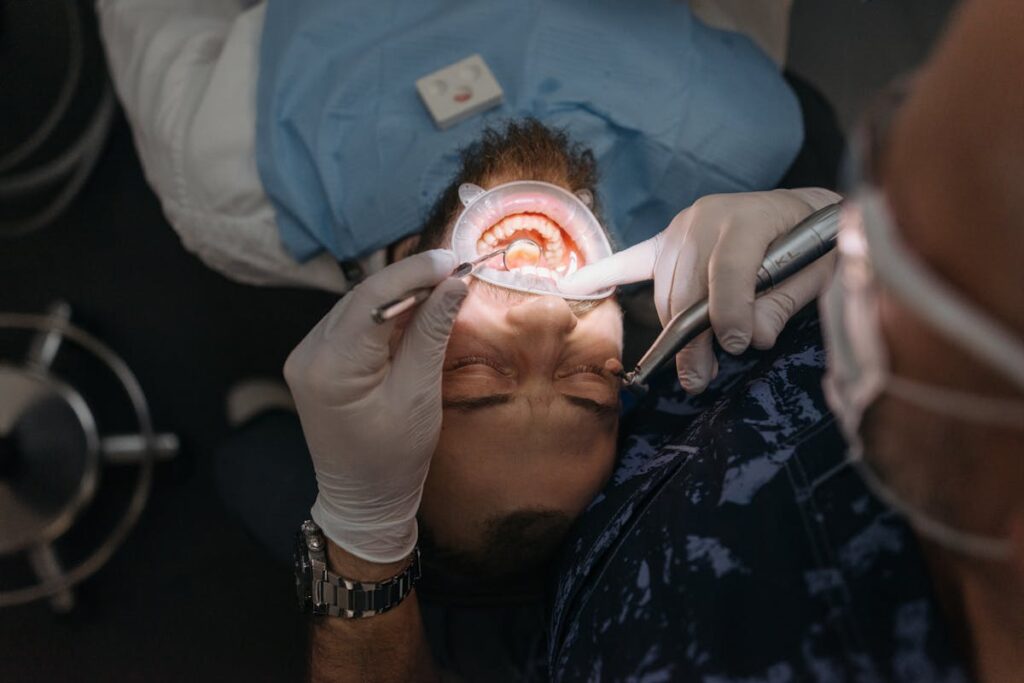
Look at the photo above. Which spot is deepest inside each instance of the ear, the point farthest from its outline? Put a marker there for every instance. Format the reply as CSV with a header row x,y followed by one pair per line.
x,y
404,247
586,196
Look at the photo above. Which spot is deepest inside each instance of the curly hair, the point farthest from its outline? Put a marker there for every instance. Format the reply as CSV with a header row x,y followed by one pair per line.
x,y
521,149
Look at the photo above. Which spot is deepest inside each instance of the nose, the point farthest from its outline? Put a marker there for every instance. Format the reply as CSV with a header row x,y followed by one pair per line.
x,y
543,317
542,326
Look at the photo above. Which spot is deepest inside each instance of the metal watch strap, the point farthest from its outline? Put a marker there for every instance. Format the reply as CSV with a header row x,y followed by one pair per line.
x,y
340,597
325,593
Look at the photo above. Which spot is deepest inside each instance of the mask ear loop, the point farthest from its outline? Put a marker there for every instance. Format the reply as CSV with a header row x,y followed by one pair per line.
x,y
944,307
966,543
959,405
944,401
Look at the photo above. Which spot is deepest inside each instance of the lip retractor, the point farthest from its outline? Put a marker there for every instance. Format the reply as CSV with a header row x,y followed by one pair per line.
x,y
579,237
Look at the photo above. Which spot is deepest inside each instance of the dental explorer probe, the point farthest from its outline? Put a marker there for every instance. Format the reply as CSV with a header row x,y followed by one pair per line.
x,y
529,250
812,238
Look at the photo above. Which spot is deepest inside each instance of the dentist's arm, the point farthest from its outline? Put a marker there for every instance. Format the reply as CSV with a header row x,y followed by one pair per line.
x,y
388,647
714,249
369,399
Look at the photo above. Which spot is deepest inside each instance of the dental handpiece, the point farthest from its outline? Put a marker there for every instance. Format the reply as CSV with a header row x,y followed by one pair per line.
x,y
809,240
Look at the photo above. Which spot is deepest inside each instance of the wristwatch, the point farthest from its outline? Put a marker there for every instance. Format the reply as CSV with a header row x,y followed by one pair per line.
x,y
324,593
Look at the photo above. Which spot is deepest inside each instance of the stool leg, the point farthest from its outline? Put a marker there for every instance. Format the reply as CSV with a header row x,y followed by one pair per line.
x,y
46,565
45,345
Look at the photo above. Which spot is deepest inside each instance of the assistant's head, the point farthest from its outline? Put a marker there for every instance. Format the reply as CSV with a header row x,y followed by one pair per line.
x,y
954,453
530,400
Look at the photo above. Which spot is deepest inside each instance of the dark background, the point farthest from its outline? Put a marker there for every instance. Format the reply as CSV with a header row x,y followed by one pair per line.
x,y
190,597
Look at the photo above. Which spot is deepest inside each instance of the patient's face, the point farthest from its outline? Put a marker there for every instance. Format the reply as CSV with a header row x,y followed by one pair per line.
x,y
530,402
530,412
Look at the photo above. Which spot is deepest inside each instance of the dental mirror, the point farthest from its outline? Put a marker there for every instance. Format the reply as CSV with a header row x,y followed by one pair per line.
x,y
516,254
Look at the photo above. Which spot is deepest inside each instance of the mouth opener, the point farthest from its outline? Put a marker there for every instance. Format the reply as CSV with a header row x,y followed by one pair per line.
x,y
811,239
381,314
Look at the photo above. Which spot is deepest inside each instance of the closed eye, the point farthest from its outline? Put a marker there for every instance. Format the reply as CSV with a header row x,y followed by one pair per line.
x,y
467,361
584,369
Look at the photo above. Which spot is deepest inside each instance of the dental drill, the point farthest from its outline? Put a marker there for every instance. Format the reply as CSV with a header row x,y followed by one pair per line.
x,y
811,239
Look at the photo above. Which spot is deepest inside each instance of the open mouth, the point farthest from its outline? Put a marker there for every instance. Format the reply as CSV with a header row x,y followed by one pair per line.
x,y
564,233
559,253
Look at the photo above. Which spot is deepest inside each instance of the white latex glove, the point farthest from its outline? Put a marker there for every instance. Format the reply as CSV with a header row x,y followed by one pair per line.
x,y
714,249
371,408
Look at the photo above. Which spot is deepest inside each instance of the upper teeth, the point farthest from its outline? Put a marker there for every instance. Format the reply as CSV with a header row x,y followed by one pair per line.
x,y
554,244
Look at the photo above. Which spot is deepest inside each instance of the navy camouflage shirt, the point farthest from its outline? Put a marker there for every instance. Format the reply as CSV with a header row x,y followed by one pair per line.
x,y
735,545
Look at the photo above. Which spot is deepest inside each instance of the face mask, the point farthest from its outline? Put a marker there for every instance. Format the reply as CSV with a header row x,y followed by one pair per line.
x,y
858,372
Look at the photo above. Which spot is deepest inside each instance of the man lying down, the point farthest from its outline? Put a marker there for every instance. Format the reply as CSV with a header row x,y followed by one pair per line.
x,y
491,415
482,424
524,381
480,427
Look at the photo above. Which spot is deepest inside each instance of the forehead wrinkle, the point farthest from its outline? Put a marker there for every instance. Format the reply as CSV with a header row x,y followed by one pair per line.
x,y
554,406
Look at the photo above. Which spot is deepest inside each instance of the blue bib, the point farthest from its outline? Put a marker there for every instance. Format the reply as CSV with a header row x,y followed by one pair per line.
x,y
352,161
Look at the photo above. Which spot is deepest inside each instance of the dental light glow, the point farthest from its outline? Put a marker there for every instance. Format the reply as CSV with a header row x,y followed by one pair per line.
x,y
559,222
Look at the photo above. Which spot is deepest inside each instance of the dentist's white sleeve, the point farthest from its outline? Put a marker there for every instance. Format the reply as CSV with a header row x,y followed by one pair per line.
x,y
186,72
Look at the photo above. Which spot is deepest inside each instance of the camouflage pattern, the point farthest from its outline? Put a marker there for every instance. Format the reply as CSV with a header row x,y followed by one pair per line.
x,y
734,544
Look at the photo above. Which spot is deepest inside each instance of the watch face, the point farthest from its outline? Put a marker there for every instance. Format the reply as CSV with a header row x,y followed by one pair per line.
x,y
303,573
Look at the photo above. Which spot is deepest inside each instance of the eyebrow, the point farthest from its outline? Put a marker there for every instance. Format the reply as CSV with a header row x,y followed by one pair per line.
x,y
482,402
596,407
478,402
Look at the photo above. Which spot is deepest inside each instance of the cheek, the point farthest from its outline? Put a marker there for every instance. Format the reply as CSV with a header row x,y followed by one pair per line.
x,y
477,316
468,484
916,350
566,482
471,324
601,469
443,507
894,436
468,457
604,323
464,483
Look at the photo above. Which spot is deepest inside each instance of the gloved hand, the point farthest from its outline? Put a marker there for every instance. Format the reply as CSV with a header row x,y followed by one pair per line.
x,y
370,405
714,249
